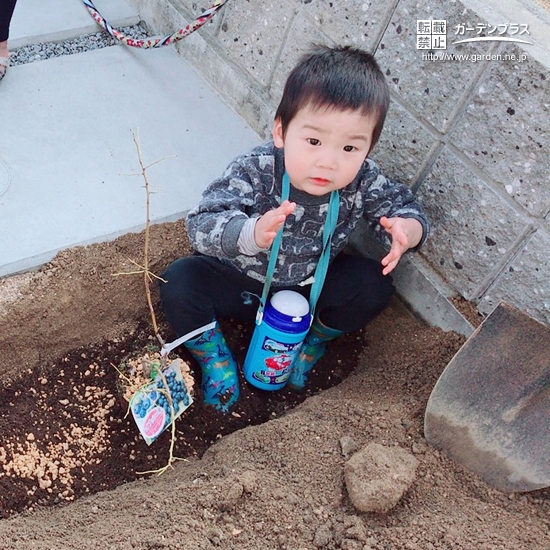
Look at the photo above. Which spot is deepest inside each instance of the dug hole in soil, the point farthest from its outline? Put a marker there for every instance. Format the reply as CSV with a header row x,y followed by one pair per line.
x,y
271,475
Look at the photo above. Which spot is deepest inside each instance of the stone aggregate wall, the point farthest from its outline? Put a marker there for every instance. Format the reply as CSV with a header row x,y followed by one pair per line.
x,y
471,137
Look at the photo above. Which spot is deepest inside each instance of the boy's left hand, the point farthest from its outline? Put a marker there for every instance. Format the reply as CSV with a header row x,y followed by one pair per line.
x,y
405,233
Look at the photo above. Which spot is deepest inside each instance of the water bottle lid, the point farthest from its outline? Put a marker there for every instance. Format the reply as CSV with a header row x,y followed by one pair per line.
x,y
290,303
294,317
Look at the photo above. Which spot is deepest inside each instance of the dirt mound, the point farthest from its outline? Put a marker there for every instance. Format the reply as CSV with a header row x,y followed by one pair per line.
x,y
69,457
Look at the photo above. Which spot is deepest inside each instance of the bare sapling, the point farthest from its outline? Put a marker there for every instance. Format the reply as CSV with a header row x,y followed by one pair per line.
x,y
145,375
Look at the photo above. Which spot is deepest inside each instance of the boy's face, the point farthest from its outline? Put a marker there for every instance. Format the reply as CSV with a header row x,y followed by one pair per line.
x,y
324,148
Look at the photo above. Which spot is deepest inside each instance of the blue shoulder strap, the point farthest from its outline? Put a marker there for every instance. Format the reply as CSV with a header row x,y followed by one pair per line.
x,y
322,266
324,260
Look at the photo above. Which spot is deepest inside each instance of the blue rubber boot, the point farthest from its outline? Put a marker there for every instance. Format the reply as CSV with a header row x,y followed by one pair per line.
x,y
311,351
220,380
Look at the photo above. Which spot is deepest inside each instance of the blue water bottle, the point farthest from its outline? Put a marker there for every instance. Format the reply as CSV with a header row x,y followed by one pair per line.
x,y
277,340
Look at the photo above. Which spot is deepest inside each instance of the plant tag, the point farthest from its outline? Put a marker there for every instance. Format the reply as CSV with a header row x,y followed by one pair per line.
x,y
150,405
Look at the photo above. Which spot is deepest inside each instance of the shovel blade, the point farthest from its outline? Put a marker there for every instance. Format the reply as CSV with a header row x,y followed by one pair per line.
x,y
490,408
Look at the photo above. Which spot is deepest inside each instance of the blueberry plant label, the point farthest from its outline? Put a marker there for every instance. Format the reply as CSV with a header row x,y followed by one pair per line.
x,y
152,404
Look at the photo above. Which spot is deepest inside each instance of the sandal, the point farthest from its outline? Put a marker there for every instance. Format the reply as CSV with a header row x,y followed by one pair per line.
x,y
4,64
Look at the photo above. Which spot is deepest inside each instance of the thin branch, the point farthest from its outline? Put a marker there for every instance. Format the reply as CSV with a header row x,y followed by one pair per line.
x,y
146,279
157,161
141,270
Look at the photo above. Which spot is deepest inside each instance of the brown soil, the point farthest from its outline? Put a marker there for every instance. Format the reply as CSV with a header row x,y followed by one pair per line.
x,y
268,476
468,310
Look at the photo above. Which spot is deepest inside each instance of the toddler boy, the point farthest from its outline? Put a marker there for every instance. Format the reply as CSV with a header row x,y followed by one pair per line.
x,y
330,117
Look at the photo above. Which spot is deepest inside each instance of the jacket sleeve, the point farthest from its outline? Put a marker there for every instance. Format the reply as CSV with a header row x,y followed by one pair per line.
x,y
214,225
386,197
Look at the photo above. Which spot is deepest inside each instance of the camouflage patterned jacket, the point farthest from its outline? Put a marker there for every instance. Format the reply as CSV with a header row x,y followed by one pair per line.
x,y
251,186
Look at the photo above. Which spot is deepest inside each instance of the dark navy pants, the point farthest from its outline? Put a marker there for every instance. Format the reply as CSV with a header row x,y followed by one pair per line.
x,y
199,289
6,11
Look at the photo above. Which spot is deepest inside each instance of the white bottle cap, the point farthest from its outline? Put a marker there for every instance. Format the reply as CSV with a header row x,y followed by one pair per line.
x,y
290,303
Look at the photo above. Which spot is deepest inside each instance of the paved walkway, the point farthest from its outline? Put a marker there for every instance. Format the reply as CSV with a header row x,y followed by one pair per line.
x,y
66,147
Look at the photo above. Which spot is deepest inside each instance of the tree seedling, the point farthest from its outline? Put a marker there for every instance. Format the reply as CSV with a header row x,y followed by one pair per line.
x,y
157,389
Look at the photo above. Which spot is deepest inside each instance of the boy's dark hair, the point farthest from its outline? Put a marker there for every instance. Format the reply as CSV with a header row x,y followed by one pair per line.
x,y
345,78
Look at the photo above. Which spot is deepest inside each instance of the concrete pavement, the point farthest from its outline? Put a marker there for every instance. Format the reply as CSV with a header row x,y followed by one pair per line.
x,y
66,150
54,20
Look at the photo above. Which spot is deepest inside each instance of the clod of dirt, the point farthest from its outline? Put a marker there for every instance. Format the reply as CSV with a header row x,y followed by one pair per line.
x,y
348,445
378,476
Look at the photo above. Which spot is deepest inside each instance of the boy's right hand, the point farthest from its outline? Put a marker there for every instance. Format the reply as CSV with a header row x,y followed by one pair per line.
x,y
271,222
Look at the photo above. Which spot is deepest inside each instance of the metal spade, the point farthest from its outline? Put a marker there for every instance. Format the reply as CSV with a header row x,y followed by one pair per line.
x,y
490,408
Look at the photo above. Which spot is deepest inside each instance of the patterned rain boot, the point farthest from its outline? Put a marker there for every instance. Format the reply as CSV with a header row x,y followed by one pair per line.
x,y
311,351
220,380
